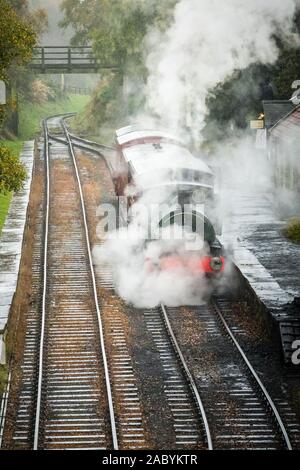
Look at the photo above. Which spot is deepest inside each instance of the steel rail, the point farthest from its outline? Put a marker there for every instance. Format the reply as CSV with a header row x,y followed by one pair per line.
x,y
103,351
67,142
80,142
254,374
91,146
3,409
88,145
76,143
71,141
189,377
91,143
44,294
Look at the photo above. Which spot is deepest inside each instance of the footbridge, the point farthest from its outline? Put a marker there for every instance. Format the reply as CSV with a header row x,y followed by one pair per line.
x,y
67,59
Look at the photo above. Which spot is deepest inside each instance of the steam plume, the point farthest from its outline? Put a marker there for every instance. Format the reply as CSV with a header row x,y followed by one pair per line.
x,y
206,43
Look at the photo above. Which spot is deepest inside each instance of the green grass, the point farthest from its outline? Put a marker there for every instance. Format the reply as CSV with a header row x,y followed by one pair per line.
x,y
29,126
15,146
3,378
31,115
4,206
292,230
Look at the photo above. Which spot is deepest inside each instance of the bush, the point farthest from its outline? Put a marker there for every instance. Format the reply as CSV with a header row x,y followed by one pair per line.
x,y
292,230
41,92
12,171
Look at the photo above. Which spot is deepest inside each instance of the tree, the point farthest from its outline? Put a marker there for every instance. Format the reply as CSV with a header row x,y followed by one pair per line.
x,y
238,99
235,101
116,31
83,17
37,19
17,39
89,16
286,71
12,171
19,29
37,22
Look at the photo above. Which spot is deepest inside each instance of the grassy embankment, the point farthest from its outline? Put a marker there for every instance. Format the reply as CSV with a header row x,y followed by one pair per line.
x,y
31,115
292,230
30,118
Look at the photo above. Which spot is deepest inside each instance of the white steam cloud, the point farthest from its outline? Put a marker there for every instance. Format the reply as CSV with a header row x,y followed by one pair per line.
x,y
134,279
207,42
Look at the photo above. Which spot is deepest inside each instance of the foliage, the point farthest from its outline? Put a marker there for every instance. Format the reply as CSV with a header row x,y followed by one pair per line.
x,y
286,71
116,28
116,31
12,171
21,77
17,39
235,102
107,97
37,19
239,99
15,147
19,30
21,6
119,38
292,230
41,92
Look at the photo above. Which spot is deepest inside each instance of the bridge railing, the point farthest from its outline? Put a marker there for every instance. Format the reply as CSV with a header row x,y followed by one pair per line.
x,y
65,57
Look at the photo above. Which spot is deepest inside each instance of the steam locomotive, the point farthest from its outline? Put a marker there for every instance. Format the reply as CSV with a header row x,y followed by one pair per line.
x,y
155,166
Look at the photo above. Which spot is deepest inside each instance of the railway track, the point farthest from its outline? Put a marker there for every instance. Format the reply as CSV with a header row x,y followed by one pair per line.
x,y
121,373
240,411
84,395
74,391
68,400
184,398
188,413
253,402
189,423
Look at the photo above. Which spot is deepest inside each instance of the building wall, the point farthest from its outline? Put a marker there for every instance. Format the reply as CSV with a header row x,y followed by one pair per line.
x,y
284,154
284,158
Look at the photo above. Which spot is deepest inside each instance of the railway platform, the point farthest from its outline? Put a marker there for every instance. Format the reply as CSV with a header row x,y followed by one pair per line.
x,y
266,258
11,241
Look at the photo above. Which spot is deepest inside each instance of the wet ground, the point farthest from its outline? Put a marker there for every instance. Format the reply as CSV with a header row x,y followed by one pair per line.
x,y
270,262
